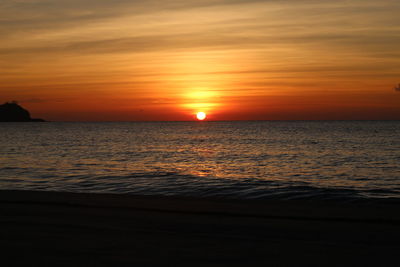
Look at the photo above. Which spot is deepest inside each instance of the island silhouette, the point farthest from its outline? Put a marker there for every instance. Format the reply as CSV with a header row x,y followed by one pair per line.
x,y
12,112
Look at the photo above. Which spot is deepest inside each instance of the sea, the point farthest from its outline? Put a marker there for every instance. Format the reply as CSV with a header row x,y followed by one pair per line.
x,y
328,160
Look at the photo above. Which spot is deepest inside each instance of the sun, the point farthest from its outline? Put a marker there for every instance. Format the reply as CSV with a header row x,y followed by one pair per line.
x,y
201,115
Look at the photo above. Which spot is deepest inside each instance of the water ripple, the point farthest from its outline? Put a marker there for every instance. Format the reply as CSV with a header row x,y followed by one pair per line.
x,y
253,160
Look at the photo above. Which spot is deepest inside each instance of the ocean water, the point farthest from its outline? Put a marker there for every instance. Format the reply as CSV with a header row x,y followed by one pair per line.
x,y
242,160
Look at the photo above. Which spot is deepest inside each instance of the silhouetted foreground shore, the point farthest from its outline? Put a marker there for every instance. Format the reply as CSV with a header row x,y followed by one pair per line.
x,y
69,229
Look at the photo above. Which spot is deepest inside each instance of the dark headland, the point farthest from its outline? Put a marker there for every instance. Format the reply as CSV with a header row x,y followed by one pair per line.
x,y
12,112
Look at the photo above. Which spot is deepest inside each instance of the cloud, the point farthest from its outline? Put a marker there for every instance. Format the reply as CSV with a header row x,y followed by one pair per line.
x,y
123,26
267,39
198,40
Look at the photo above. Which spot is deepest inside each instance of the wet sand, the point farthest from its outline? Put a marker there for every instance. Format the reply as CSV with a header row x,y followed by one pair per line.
x,y
70,229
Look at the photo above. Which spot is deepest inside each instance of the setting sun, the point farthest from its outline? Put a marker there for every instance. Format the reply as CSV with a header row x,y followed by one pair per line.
x,y
201,116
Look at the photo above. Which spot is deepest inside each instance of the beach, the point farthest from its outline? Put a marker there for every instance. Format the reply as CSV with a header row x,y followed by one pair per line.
x,y
199,133
81,229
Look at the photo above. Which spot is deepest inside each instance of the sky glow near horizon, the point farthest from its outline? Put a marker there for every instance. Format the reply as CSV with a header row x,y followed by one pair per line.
x,y
168,60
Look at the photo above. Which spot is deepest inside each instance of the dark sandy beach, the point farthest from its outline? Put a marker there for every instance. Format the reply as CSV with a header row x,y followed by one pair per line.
x,y
70,229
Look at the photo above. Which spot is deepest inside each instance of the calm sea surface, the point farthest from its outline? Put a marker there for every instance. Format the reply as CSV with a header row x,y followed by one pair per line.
x,y
281,160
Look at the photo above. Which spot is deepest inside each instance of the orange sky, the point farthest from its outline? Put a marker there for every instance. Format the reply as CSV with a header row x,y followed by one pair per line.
x,y
123,60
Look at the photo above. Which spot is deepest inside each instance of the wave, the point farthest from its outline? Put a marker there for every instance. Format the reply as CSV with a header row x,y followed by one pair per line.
x,y
180,184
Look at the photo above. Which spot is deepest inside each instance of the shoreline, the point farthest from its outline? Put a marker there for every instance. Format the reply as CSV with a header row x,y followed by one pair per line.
x,y
374,210
85,229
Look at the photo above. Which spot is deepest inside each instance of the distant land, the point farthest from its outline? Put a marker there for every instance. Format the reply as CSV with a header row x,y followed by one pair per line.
x,y
12,112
